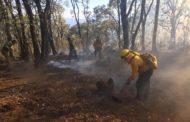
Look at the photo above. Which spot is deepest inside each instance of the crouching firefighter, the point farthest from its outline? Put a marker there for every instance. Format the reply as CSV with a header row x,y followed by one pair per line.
x,y
142,65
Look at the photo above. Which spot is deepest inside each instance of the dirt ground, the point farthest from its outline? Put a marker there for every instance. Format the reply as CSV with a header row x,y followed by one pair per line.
x,y
65,95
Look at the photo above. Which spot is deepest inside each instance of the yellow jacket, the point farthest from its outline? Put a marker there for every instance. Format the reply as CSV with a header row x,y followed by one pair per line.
x,y
137,65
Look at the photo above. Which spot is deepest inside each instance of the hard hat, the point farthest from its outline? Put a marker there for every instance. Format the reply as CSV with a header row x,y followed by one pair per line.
x,y
124,52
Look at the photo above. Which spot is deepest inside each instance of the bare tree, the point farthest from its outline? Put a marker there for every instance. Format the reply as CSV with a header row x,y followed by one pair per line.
x,y
174,11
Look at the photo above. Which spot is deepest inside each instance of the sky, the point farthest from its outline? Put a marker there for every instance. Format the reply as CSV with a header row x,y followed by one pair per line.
x,y
70,17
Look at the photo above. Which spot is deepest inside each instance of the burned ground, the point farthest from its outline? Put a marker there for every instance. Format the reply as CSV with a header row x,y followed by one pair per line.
x,y
54,94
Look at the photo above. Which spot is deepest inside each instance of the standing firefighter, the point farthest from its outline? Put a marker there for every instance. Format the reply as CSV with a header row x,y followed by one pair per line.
x,y
142,65
72,50
98,47
7,51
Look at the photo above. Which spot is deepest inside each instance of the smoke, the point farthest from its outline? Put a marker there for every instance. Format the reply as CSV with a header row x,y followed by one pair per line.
x,y
173,79
108,67
170,82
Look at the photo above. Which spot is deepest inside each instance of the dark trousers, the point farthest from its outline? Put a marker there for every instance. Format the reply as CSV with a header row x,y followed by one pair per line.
x,y
73,54
143,84
98,52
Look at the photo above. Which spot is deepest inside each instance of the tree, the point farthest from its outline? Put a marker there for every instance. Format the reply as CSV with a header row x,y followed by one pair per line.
x,y
33,32
6,20
59,26
134,35
106,23
125,21
76,14
173,13
134,18
45,17
24,47
145,14
49,24
87,14
14,22
100,13
186,28
154,48
116,4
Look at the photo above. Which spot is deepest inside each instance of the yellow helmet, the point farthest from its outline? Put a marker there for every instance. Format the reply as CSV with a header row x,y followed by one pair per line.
x,y
124,52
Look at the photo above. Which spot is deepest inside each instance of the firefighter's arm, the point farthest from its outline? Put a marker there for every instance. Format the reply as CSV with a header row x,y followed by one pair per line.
x,y
134,73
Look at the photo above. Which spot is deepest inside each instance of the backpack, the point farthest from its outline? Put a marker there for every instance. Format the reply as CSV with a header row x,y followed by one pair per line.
x,y
150,59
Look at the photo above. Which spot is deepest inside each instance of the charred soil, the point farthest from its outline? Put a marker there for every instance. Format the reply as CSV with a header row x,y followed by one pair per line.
x,y
52,94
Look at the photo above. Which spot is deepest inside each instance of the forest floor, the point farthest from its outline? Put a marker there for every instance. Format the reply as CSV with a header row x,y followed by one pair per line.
x,y
59,95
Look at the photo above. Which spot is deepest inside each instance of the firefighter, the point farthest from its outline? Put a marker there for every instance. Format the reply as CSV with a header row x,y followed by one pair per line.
x,y
72,50
141,69
7,51
98,47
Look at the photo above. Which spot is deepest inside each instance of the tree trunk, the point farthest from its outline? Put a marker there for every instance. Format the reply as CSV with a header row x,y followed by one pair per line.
x,y
74,5
154,48
51,40
43,15
125,24
134,20
17,30
143,34
145,14
138,26
33,32
25,54
143,29
6,20
125,21
86,15
119,24
173,33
